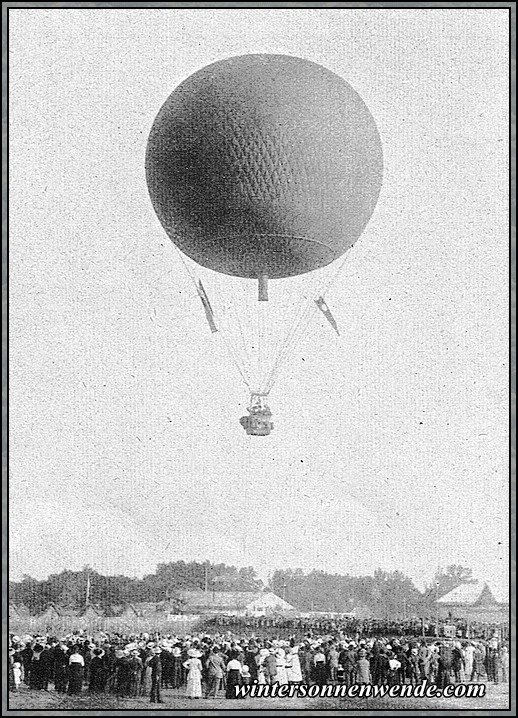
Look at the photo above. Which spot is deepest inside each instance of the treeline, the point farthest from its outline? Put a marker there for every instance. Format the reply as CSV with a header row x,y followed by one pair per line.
x,y
385,594
71,588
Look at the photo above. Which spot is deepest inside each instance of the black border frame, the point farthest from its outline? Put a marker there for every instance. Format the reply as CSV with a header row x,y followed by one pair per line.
x,y
511,6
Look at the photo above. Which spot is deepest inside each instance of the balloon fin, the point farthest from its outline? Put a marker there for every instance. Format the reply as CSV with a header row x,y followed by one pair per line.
x,y
206,306
321,304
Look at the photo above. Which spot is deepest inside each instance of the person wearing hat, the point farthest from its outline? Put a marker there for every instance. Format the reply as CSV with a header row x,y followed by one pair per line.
x,y
76,666
263,652
215,668
250,658
60,656
468,651
40,667
270,666
26,656
293,670
319,662
348,660
167,663
233,675
363,672
135,668
424,660
156,675
122,672
306,662
98,671
176,666
332,663
433,664
146,654
193,667
281,675
445,664
412,666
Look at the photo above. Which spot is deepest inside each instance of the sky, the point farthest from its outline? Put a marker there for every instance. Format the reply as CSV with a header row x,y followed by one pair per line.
x,y
390,446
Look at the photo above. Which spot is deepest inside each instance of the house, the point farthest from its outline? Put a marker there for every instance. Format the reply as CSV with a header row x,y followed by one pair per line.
x,y
125,611
23,610
91,612
361,612
232,603
474,602
54,612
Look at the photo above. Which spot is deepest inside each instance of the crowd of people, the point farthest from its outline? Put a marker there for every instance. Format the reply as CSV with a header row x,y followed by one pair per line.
x,y
365,627
210,666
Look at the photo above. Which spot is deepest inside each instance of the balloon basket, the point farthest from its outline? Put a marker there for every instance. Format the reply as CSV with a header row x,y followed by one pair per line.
x,y
258,422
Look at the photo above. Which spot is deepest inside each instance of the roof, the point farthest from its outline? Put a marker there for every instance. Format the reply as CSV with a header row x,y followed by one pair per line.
x,y
216,599
233,600
91,607
469,593
145,607
59,610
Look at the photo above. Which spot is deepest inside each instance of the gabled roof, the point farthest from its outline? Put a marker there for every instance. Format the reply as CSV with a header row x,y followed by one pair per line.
x,y
22,609
468,593
120,609
227,600
91,607
217,599
145,607
59,610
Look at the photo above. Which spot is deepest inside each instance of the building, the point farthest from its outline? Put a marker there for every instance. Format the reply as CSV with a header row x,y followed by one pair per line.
x,y
126,611
232,603
91,612
361,612
13,612
474,602
54,612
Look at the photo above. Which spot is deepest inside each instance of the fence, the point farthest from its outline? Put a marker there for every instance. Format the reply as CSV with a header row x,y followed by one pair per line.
x,y
64,625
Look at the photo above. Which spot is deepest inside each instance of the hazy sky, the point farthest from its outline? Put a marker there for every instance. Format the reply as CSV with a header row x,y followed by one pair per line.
x,y
390,444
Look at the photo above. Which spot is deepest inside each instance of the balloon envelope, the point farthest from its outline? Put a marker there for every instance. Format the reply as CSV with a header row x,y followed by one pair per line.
x,y
264,165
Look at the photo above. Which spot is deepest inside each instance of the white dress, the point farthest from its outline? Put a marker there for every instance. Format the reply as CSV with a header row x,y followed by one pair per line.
x,y
281,676
294,672
193,677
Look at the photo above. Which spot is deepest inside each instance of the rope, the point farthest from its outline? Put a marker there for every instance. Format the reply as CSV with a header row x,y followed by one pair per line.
x,y
286,342
226,340
294,335
287,346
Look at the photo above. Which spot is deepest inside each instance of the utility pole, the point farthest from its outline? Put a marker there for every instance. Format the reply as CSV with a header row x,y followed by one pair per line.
x,y
283,589
206,577
87,592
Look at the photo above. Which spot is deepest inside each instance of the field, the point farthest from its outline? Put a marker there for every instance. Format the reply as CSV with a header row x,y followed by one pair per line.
x,y
497,698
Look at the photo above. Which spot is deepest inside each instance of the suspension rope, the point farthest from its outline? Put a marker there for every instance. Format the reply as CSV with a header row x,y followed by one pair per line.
x,y
291,345
245,348
228,344
286,341
294,335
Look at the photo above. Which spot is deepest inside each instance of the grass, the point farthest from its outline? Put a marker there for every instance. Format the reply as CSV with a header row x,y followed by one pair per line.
x,y
497,698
